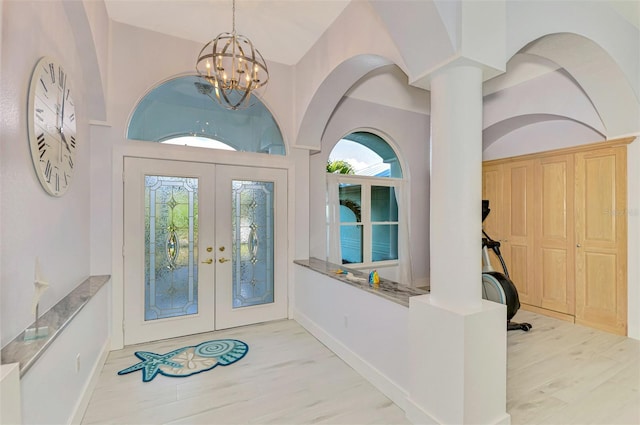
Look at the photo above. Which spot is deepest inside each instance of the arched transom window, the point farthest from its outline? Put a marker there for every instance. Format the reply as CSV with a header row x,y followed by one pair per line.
x,y
180,111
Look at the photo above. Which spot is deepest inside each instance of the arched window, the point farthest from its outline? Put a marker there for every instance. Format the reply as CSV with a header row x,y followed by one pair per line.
x,y
364,184
180,111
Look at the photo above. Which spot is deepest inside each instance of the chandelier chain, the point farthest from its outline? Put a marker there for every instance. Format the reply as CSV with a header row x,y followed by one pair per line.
x,y
233,17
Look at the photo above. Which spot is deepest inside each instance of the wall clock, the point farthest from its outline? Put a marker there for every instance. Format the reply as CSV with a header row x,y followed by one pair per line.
x,y
51,117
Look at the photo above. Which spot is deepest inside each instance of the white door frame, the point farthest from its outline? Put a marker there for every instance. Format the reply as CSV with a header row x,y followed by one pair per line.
x,y
159,151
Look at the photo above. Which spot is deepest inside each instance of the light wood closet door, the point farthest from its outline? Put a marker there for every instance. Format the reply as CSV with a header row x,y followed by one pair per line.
x,y
517,246
554,233
492,190
601,228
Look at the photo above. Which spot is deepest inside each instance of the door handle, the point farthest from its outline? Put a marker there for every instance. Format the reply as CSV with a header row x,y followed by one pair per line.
x,y
223,260
208,261
578,245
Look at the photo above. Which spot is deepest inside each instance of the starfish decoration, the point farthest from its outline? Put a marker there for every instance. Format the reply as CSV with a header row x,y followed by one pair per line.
x,y
151,363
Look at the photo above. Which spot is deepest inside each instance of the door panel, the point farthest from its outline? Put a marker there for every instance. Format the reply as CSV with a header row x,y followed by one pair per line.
x,y
168,219
518,216
492,191
251,285
555,273
601,228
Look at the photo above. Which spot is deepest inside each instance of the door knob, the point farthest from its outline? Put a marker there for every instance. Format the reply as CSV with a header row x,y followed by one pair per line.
x,y
208,261
578,245
209,248
221,249
223,260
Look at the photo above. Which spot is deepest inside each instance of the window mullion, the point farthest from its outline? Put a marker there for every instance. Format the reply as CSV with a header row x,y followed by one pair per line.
x,y
367,238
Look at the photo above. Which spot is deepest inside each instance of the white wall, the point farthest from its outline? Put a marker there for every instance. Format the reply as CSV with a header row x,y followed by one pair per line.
x,y
135,69
35,224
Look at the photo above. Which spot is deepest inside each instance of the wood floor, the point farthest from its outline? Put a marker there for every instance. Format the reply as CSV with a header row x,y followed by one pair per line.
x,y
558,373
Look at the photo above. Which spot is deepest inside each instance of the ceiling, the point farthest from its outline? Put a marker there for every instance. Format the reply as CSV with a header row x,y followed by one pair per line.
x,y
282,30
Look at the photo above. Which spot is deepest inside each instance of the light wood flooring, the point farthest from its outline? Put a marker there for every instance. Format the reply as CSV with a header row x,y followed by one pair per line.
x,y
558,373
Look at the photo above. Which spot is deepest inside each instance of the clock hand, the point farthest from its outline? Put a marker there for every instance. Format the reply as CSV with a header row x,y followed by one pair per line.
x,y
64,139
64,88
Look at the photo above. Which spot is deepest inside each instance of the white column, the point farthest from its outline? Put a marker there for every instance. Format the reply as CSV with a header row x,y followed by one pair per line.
x,y
457,340
456,186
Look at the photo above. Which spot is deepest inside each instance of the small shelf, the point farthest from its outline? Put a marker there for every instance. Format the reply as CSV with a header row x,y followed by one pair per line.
x,y
56,319
388,289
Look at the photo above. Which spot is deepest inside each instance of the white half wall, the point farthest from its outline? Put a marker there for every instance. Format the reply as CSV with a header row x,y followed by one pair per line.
x,y
368,332
52,390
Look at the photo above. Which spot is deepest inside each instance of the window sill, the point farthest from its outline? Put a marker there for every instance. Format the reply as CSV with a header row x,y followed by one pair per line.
x,y
390,290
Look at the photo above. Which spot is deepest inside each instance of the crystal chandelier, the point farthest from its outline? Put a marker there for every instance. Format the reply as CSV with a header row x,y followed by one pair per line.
x,y
233,67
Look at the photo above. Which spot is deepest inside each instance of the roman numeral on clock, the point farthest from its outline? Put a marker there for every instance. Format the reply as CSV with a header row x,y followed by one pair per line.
x,y
42,146
70,162
44,86
57,182
52,71
72,141
47,171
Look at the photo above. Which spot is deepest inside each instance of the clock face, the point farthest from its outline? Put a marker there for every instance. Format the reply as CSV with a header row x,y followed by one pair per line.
x,y
52,126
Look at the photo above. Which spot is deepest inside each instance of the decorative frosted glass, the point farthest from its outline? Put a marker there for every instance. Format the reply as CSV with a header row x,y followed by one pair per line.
x,y
384,242
171,240
253,242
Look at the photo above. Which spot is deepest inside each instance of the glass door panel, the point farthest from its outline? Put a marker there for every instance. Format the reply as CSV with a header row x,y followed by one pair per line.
x,y
250,279
171,240
252,223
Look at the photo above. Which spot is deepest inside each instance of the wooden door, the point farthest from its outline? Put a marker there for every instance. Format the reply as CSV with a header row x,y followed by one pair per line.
x,y
554,233
492,191
601,229
517,246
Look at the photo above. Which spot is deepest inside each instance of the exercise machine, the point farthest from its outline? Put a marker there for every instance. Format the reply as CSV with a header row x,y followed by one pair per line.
x,y
497,286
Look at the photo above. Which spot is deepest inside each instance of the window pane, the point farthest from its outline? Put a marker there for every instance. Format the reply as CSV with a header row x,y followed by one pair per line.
x,y
383,204
182,107
350,203
385,242
351,243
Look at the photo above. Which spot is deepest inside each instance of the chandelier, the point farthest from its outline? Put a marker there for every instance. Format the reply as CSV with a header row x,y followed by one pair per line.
x,y
233,67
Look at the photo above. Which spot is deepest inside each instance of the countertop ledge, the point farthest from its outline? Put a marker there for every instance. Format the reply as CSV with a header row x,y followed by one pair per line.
x,y
57,318
387,289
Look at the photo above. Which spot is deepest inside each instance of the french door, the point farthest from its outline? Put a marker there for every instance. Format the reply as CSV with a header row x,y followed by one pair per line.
x,y
205,247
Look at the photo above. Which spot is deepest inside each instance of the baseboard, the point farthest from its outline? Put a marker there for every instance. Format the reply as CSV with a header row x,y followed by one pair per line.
x,y
385,385
83,401
545,312
417,415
